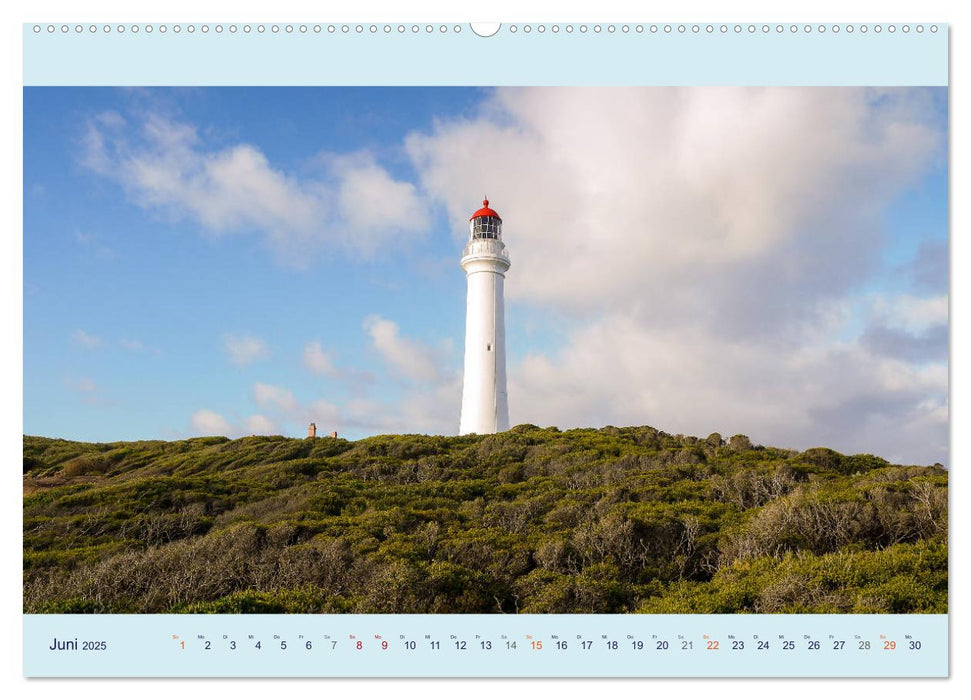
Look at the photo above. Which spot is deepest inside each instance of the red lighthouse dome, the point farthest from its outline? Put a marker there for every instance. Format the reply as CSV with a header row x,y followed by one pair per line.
x,y
485,211
485,223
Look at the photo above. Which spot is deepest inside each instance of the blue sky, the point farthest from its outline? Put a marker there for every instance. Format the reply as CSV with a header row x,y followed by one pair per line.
x,y
242,261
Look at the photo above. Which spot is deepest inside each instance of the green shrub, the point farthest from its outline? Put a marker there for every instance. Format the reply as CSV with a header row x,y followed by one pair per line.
x,y
619,519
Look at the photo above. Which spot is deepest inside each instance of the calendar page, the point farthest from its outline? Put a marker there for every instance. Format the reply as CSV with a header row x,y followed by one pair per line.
x,y
426,349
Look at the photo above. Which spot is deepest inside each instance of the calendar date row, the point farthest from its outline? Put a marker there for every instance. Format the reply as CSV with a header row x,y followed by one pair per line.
x,y
377,643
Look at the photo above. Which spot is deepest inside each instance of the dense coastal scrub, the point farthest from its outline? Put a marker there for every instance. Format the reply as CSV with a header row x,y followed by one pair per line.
x,y
532,520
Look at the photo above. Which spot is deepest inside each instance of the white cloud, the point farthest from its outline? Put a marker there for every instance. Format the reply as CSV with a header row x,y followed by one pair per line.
x,y
92,243
316,360
281,403
907,327
245,350
427,402
911,313
618,372
372,204
206,422
928,270
138,346
274,397
86,386
89,392
325,414
321,363
745,205
705,246
167,166
409,359
85,340
427,409
260,425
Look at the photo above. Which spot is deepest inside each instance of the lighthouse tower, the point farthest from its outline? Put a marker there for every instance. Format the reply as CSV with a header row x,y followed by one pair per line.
x,y
485,406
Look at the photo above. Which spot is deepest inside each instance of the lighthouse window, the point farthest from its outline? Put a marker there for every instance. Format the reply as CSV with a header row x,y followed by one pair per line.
x,y
486,227
489,346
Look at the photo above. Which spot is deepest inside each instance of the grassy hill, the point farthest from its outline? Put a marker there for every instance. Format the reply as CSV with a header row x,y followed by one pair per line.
x,y
531,520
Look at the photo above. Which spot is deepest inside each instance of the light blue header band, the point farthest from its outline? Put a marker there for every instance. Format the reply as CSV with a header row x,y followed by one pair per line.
x,y
590,54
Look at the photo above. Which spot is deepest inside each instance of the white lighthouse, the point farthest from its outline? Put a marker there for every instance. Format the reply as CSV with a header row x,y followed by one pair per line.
x,y
485,406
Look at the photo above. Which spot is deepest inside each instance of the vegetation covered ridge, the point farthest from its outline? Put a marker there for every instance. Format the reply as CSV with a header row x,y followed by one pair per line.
x,y
532,520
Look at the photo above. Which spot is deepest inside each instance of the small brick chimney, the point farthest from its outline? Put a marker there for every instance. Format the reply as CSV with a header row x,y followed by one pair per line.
x,y
312,430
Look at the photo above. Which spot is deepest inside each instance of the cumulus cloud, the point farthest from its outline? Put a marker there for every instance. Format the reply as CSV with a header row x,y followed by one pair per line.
x,y
707,247
430,408
929,268
89,392
410,359
85,340
92,243
923,346
840,395
321,363
426,401
138,346
88,341
283,405
712,251
743,205
911,312
260,425
86,386
206,422
372,204
316,360
274,397
324,413
908,327
167,166
245,350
